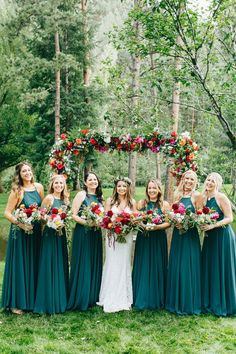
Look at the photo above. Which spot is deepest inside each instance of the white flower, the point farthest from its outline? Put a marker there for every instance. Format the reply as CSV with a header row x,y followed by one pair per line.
x,y
185,135
107,139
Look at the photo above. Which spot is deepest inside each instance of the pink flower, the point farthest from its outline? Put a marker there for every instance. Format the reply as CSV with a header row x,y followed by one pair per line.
x,y
139,139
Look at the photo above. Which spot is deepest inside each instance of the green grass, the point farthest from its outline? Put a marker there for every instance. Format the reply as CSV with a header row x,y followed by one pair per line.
x,y
126,332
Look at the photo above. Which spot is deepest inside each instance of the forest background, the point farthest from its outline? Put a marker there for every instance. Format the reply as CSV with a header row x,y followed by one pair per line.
x,y
117,66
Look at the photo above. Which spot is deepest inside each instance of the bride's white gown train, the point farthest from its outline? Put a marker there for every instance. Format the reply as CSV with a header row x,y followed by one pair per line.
x,y
116,288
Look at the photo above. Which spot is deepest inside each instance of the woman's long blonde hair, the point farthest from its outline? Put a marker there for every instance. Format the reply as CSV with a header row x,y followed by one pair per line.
x,y
179,193
218,182
64,193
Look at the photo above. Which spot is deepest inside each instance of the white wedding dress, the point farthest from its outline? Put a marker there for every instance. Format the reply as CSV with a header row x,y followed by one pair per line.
x,y
116,292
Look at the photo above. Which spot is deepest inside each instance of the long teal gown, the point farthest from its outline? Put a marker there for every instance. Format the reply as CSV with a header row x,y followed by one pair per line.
x,y
219,268
53,278
86,265
183,293
21,265
150,268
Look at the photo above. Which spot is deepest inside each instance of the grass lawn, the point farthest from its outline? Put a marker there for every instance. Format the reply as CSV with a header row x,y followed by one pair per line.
x,y
125,332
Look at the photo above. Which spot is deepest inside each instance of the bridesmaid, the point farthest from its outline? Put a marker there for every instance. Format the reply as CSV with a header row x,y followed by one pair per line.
x,y
150,257
183,280
53,278
21,267
86,262
219,253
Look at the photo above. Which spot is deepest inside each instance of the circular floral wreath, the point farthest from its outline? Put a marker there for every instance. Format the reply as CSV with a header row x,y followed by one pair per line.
x,y
71,149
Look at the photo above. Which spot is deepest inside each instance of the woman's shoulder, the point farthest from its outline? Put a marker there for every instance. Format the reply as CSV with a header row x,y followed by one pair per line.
x,y
141,204
80,194
38,186
48,200
221,197
166,205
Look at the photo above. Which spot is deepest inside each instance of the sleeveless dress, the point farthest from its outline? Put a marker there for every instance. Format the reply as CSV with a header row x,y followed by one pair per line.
x,y
150,268
183,293
86,264
116,290
53,278
21,267
219,268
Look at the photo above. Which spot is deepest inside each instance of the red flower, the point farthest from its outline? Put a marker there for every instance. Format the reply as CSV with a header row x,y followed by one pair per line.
x,y
199,212
84,131
63,136
75,152
174,134
93,141
175,206
60,166
63,216
53,216
106,221
118,229
110,213
54,211
28,212
149,212
69,145
32,206
205,210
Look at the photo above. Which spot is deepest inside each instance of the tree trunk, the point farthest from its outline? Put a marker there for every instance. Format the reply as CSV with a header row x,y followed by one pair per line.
x,y
135,89
154,96
58,83
86,68
169,186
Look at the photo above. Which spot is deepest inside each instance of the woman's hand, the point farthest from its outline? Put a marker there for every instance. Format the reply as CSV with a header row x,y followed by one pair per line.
x,y
25,227
207,227
149,227
179,226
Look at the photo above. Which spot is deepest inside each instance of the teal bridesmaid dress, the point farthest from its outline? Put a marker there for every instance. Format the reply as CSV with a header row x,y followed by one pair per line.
x,y
86,265
219,268
150,268
21,265
183,293
53,278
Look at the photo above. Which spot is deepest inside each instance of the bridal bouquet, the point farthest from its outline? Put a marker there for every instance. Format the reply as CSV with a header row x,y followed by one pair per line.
x,y
119,225
57,218
181,215
93,214
29,215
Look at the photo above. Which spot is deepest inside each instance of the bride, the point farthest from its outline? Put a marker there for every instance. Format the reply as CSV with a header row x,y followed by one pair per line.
x,y
116,289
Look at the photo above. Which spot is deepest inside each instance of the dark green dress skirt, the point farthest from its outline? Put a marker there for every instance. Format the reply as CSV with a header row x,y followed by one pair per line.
x,y
86,265
150,269
183,293
219,268
53,278
21,265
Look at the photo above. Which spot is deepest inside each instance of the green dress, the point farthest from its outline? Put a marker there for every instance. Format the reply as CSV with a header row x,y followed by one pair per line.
x,y
21,265
53,278
219,268
86,264
150,268
183,293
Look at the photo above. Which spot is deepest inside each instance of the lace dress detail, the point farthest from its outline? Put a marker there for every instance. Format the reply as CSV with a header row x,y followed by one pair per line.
x,y
116,289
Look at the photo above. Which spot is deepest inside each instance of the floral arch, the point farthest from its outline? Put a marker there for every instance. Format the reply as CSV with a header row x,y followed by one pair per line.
x,y
66,154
